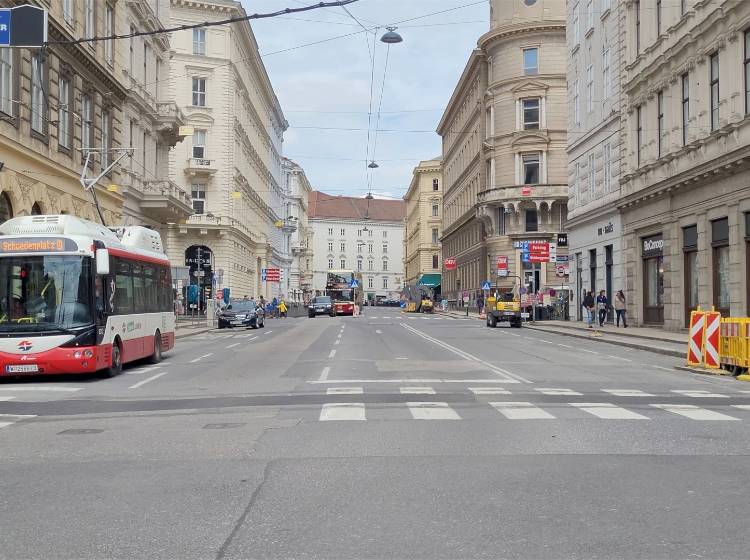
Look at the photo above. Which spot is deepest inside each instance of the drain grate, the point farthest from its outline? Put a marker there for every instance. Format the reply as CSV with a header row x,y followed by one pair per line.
x,y
79,431
223,426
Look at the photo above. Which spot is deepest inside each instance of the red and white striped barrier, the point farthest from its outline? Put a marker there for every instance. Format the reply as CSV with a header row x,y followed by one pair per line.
x,y
712,340
695,342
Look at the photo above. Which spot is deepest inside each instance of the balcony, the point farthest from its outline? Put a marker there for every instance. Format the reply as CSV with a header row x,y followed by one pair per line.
x,y
164,201
169,120
298,249
200,166
515,194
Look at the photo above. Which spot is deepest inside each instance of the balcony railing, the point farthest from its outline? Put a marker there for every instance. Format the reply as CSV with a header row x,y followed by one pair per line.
x,y
164,200
524,192
200,165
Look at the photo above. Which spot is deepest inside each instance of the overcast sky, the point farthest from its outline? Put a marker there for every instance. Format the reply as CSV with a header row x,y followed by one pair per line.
x,y
328,85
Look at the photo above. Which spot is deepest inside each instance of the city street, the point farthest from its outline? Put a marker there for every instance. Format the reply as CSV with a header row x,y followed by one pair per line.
x,y
382,436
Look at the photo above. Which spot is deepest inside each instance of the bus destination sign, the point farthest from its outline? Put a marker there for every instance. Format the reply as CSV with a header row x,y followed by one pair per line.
x,y
37,245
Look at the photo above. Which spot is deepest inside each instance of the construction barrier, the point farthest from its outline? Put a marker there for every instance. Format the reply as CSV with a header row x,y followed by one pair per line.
x,y
735,344
712,340
695,341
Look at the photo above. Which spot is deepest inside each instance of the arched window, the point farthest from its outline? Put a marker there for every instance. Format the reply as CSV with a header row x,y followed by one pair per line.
x,y
36,210
6,209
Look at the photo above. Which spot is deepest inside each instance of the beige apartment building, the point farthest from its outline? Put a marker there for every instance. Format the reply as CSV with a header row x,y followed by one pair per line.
x,y
504,150
232,162
424,203
57,105
685,199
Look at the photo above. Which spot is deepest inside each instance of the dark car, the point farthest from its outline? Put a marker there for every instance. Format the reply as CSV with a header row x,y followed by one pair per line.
x,y
321,305
242,314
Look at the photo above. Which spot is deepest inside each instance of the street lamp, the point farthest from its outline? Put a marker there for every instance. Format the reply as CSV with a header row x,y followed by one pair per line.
x,y
391,37
373,165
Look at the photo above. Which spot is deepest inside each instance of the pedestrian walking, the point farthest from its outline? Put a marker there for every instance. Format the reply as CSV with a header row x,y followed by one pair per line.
x,y
620,309
588,306
282,308
602,304
480,303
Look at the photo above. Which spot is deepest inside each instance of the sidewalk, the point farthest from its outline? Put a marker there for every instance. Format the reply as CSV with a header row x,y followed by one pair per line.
x,y
189,328
640,338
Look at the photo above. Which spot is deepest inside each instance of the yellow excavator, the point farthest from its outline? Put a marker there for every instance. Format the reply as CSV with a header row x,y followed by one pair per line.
x,y
504,307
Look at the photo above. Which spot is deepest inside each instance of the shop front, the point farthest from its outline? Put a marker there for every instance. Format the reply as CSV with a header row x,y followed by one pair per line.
x,y
652,255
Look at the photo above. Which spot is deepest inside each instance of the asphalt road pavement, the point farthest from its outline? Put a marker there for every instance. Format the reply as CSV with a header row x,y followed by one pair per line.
x,y
384,436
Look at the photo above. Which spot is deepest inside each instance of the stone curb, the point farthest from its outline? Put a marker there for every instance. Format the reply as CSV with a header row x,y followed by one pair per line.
x,y
192,332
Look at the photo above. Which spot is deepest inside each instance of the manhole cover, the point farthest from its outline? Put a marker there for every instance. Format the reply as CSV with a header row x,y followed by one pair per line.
x,y
79,431
224,426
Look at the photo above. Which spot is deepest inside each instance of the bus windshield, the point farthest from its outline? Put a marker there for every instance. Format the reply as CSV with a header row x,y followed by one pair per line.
x,y
338,286
45,293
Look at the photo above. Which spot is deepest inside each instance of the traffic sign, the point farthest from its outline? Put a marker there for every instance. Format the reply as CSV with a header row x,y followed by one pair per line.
x,y
23,26
354,284
4,28
272,275
502,265
486,286
450,263
263,274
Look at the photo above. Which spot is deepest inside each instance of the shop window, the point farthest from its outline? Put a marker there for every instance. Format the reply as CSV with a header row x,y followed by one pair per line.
x,y
592,271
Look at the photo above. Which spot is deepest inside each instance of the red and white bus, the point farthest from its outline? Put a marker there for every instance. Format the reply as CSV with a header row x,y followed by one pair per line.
x,y
77,297
339,287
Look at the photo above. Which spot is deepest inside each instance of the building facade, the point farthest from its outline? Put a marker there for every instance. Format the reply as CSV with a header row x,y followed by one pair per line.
x,y
57,106
685,200
504,151
424,222
299,241
232,161
365,235
595,58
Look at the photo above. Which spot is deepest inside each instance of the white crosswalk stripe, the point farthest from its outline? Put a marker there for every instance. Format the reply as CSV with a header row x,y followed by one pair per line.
x,y
417,391
488,391
521,411
342,412
609,411
694,412
563,392
345,391
699,394
432,411
6,399
10,419
627,392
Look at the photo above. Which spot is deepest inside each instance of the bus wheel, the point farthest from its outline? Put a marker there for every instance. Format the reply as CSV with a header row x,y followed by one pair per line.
x,y
155,358
115,368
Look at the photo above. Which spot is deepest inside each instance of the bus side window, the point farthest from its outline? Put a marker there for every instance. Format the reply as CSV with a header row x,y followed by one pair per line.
x,y
123,288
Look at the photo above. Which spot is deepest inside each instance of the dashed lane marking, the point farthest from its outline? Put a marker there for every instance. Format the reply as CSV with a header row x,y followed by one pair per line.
x,y
618,358
417,391
432,411
699,394
337,342
694,412
324,374
488,391
521,411
627,392
143,370
378,332
232,345
267,333
201,357
563,392
587,351
345,391
342,412
609,411
148,380
332,354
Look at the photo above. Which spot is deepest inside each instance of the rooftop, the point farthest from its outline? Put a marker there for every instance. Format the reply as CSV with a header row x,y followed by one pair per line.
x,y
324,205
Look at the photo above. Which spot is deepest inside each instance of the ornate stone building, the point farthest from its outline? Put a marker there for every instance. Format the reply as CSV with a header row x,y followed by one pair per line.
x,y
299,241
685,199
504,139
424,205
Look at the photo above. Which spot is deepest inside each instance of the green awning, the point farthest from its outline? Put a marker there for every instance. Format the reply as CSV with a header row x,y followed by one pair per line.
x,y
429,280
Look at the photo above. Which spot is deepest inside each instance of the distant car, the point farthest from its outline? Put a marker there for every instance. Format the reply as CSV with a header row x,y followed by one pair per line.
x,y
242,314
321,305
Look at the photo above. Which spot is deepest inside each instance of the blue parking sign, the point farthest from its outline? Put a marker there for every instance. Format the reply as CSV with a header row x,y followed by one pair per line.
x,y
4,28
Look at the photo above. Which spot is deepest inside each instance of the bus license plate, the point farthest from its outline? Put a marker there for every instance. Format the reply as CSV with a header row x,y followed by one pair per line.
x,y
26,368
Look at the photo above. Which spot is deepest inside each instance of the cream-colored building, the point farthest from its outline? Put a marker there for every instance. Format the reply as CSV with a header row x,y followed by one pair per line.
x,y
299,241
424,222
54,108
504,150
232,162
685,199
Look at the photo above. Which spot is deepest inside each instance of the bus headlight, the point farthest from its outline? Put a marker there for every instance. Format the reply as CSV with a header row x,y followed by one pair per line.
x,y
77,354
88,354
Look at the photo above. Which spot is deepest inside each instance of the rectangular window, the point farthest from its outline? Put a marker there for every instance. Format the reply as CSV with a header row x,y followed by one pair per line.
x,y
638,134
574,25
530,169
370,265
530,113
435,236
435,261
592,175
106,138
68,13
590,87
6,81
658,18
63,113
359,264
359,233
435,210
721,265
199,198
369,232
576,106
683,7
385,234
369,281
385,282
199,41
199,92
38,98
145,63
139,299
343,263
606,78
714,91
605,6
199,144
590,14
87,128
109,30
685,107
330,264
89,21
369,247
637,9
385,248
659,122
607,167
343,232
690,249
531,61
747,72
330,231
343,247
385,264
131,49
592,270
330,246
532,223
124,303
435,184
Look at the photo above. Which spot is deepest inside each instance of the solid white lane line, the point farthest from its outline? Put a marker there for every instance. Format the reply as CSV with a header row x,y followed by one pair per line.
x,y
609,411
521,411
488,391
627,392
233,345
663,368
10,419
332,354
742,406
698,393
15,388
345,391
551,391
432,411
417,391
324,374
618,358
544,341
587,351
143,370
402,358
148,380
267,333
564,345
2,399
694,412
342,411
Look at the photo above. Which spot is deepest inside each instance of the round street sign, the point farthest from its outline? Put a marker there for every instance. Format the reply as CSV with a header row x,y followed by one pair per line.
x,y
561,270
